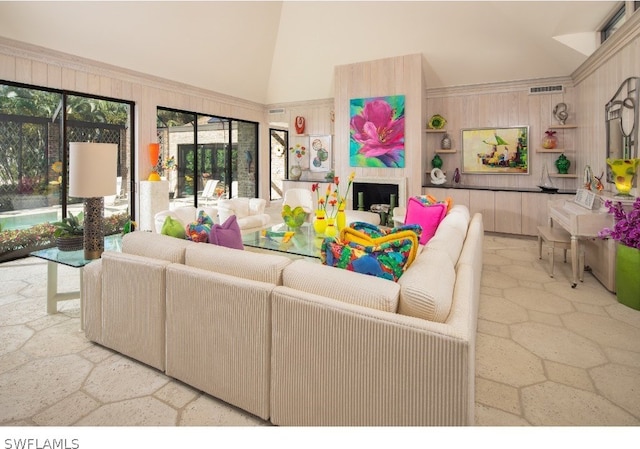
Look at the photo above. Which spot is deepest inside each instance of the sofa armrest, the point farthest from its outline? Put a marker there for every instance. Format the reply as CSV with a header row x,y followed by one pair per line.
x,y
219,335
91,297
335,363
133,306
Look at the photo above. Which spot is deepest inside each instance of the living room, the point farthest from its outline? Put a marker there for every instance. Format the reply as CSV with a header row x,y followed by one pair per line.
x,y
497,103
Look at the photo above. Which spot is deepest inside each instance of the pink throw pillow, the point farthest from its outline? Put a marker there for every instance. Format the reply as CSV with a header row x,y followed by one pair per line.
x,y
428,216
227,234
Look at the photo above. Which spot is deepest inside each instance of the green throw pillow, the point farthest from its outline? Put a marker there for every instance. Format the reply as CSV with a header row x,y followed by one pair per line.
x,y
173,227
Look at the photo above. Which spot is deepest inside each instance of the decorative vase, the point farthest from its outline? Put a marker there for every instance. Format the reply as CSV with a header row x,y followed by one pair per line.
x,y
627,268
549,141
154,154
319,221
563,164
624,170
341,217
295,171
330,230
299,124
70,243
436,161
456,175
445,143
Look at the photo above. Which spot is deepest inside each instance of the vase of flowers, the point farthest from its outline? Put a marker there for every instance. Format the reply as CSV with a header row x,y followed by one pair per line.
x,y
295,170
626,231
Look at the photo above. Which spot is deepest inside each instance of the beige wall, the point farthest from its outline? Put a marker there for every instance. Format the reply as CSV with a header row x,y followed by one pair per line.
x,y
597,81
499,104
401,75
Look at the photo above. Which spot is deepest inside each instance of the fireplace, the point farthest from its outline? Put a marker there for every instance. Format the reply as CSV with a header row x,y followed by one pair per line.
x,y
378,191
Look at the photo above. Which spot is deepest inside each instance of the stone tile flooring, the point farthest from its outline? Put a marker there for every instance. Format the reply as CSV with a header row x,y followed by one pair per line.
x,y
547,355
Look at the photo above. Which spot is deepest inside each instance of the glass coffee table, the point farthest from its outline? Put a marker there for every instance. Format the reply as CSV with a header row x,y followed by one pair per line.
x,y
303,243
74,259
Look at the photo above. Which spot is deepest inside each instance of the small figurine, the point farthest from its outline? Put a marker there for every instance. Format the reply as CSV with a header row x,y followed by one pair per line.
x,y
456,175
599,185
560,113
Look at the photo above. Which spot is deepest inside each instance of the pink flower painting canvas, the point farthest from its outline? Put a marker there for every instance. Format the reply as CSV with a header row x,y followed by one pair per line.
x,y
377,132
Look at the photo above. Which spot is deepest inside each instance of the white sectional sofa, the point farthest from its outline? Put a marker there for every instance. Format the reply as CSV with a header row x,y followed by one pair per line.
x,y
293,341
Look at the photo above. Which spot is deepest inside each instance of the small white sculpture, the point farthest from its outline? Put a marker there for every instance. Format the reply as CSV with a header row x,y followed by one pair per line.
x,y
437,176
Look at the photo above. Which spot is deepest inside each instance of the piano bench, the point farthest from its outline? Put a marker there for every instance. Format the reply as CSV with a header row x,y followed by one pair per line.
x,y
555,237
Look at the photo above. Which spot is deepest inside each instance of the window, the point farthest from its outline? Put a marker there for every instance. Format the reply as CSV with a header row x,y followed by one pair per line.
x,y
36,125
614,23
208,148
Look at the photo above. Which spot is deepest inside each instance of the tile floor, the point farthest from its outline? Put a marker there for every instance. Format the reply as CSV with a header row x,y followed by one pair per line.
x,y
547,355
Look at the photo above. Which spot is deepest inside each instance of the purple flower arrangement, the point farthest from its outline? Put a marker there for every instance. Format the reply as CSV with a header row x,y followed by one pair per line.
x,y
626,229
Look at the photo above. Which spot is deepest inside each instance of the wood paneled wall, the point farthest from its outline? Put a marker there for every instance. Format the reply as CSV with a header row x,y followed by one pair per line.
x,y
392,76
504,105
24,63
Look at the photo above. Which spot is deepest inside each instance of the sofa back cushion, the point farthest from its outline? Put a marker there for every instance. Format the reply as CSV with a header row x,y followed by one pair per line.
x,y
155,246
244,264
342,285
426,288
451,233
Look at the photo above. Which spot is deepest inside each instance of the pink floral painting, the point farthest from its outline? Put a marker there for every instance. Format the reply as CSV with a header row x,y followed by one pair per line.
x,y
377,132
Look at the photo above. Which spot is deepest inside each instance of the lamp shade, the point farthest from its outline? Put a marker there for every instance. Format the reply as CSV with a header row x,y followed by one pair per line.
x,y
93,169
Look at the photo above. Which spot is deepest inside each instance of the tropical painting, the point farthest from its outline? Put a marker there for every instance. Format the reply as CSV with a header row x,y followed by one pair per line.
x,y
495,150
377,132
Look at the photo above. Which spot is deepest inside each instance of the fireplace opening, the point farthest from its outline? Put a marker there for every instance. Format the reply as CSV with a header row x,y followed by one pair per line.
x,y
373,193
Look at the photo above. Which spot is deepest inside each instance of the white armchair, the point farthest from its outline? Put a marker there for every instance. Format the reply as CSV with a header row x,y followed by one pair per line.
x,y
248,211
184,215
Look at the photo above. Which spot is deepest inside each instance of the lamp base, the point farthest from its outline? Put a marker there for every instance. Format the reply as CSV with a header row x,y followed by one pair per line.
x,y
93,228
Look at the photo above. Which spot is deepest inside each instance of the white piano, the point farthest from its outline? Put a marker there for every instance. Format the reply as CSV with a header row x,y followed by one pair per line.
x,y
584,224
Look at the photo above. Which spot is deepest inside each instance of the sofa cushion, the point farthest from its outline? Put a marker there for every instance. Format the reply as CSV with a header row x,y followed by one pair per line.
x,y
155,246
451,233
426,289
227,234
199,230
173,228
428,216
341,285
243,264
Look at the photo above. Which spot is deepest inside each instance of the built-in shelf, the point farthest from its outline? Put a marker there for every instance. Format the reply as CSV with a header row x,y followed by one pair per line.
x,y
445,151
553,150
562,126
429,130
559,175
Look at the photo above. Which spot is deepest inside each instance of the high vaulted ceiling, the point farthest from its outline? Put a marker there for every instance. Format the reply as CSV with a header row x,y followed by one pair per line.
x,y
274,52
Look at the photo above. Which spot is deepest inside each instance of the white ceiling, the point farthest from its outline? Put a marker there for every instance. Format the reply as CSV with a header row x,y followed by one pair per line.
x,y
273,52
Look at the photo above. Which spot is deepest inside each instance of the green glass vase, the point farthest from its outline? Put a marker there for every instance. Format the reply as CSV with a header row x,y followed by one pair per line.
x,y
627,282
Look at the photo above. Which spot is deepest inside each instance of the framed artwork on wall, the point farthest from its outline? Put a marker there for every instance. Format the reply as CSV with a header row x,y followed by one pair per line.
x,y
320,153
496,150
377,132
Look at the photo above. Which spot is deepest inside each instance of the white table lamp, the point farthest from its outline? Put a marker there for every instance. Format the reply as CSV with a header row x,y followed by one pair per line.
x,y
93,169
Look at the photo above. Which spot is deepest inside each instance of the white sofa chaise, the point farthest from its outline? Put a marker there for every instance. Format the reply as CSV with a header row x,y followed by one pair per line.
x,y
294,341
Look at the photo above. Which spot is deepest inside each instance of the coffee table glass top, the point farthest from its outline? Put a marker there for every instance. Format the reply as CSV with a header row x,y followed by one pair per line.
x,y
76,259
304,242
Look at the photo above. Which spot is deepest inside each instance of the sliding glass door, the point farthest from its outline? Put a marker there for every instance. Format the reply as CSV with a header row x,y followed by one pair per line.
x,y
216,157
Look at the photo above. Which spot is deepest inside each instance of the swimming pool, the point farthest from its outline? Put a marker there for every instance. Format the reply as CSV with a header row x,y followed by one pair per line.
x,y
25,219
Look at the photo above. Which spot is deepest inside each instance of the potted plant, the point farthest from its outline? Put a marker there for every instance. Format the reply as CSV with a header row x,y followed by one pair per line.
x,y
626,231
69,232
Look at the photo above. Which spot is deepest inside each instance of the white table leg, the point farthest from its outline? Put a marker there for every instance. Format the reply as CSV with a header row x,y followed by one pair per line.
x,y
53,296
